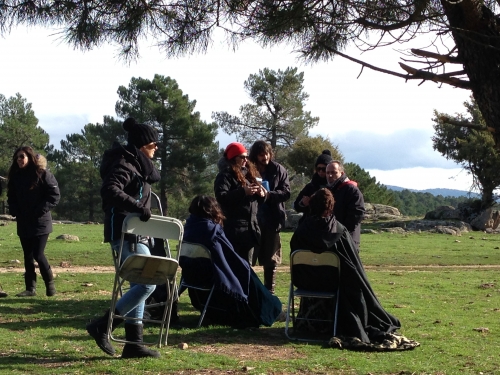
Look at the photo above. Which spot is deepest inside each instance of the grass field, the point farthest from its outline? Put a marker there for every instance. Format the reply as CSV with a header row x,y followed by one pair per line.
x,y
446,294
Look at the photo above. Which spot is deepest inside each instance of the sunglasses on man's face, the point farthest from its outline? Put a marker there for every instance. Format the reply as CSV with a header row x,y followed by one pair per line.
x,y
20,157
243,157
321,169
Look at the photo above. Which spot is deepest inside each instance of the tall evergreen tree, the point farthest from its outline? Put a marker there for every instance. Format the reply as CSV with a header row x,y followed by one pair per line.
x,y
18,127
473,149
306,150
277,113
373,191
77,169
186,142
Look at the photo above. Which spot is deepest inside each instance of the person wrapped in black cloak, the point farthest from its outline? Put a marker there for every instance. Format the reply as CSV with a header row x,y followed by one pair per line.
x,y
362,321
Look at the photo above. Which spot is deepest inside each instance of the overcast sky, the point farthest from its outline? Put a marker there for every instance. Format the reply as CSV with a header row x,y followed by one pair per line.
x,y
378,121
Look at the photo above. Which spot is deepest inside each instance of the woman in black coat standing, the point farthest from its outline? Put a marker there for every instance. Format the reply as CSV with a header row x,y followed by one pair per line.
x,y
32,192
238,193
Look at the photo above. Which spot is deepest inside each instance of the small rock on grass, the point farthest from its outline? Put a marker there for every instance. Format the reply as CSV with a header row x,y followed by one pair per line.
x,y
482,329
183,346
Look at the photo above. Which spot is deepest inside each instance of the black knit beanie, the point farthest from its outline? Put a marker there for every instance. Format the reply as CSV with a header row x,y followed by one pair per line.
x,y
139,134
324,158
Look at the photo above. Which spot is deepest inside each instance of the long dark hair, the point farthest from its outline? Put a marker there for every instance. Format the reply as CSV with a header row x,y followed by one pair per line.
x,y
260,147
33,168
251,174
207,207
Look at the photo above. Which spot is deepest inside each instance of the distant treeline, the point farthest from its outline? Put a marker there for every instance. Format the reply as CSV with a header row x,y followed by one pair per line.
x,y
418,204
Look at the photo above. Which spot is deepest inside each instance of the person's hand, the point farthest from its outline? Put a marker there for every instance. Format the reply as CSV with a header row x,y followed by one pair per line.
x,y
145,214
251,189
263,192
305,201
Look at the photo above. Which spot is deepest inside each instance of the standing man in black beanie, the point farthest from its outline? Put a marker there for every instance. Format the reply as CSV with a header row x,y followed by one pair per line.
x,y
271,214
317,182
127,173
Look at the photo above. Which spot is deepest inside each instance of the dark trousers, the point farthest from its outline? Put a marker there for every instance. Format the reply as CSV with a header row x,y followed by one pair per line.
x,y
265,253
34,250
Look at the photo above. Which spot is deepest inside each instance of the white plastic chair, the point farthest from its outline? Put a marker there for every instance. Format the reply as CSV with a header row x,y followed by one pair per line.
x,y
148,269
329,262
197,251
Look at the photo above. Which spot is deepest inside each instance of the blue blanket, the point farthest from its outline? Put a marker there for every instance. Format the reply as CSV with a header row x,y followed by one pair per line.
x,y
238,290
231,273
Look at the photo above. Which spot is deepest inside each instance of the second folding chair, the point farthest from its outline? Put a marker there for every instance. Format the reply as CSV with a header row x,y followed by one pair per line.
x,y
313,276
199,275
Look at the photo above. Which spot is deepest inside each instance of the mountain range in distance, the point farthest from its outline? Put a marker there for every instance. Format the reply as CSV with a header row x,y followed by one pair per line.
x,y
439,191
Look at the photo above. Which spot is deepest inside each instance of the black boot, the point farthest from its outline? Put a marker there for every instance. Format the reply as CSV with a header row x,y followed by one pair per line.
x,y
270,278
30,283
50,288
133,332
97,329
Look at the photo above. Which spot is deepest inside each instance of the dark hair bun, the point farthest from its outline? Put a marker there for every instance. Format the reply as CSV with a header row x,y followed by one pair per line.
x,y
327,152
129,123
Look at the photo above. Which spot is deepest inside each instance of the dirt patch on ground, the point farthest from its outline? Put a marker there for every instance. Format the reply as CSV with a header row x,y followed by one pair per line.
x,y
110,269
249,351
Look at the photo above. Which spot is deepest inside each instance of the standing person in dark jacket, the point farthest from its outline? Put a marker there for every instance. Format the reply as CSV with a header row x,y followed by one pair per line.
x,y
318,181
271,214
32,192
127,173
238,193
349,206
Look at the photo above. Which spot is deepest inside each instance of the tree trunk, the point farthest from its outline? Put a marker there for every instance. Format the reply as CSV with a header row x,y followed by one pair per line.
x,y
477,37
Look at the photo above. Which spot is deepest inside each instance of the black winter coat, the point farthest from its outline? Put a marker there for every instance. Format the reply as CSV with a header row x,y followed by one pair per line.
x,y
127,175
31,206
240,226
272,211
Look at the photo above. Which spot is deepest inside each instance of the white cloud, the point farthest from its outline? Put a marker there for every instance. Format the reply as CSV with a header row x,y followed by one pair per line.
x,y
424,178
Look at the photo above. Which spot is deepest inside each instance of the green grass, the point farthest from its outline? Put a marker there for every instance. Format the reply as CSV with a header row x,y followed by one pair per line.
x,y
444,308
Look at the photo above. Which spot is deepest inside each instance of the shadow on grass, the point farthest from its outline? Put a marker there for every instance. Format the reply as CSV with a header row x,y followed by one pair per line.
x,y
18,314
51,360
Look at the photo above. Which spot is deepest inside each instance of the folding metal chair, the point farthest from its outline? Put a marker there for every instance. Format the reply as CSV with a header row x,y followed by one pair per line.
x,y
156,204
197,252
148,269
312,275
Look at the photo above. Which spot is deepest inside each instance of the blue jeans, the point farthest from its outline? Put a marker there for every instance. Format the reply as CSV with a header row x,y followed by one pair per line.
x,y
132,303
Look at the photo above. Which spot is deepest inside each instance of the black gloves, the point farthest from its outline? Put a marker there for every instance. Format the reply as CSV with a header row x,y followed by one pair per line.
x,y
145,214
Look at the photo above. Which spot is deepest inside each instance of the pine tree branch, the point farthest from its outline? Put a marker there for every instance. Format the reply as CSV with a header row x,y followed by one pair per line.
x,y
467,124
437,56
428,76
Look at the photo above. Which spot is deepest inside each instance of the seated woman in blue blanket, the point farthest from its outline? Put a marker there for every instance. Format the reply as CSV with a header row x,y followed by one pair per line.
x,y
240,299
360,315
